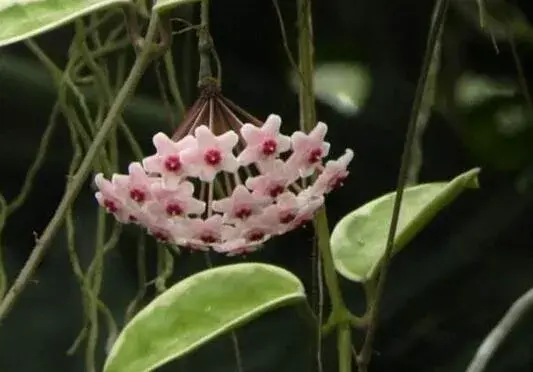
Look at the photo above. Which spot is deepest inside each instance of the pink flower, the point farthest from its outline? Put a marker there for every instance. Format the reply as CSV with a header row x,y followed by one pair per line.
x,y
160,230
167,161
236,247
134,187
283,212
309,204
264,144
110,199
177,201
240,205
200,192
211,154
333,175
274,182
209,231
308,149
255,230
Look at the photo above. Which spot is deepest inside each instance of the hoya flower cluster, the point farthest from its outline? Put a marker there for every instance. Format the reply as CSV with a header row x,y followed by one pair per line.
x,y
224,183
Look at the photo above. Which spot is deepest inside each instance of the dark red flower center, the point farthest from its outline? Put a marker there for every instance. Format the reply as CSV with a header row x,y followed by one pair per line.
x,y
110,206
174,209
255,235
208,238
161,236
172,163
213,157
243,213
337,182
287,217
314,156
276,190
269,147
138,195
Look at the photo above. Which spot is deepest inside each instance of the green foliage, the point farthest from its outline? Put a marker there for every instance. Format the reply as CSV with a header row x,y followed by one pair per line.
x,y
164,5
22,19
199,308
358,241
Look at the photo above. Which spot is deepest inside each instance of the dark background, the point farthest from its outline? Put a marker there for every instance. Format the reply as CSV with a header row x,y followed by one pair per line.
x,y
445,291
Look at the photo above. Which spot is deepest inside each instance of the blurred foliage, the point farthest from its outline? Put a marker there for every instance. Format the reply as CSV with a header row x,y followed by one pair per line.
x,y
443,294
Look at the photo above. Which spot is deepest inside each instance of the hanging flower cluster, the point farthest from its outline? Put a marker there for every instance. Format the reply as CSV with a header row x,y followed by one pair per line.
x,y
223,183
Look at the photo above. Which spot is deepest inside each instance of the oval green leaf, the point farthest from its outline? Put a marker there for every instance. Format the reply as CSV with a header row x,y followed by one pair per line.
x,y
199,308
358,241
165,5
22,19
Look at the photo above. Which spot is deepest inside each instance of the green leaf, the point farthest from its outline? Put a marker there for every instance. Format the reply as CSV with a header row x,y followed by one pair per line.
x,y
472,89
165,5
199,308
358,241
344,86
22,19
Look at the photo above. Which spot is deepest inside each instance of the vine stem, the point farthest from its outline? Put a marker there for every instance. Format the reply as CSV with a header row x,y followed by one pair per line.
x,y
307,122
439,13
76,182
204,46
495,338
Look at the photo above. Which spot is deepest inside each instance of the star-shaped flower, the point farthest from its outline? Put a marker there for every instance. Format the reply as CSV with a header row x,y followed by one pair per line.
x,y
109,198
211,154
333,174
134,187
240,205
167,161
308,149
274,182
209,231
308,205
283,212
263,144
236,247
175,201
255,230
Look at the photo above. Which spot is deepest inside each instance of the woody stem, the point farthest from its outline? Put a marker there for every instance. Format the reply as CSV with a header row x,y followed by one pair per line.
x,y
205,74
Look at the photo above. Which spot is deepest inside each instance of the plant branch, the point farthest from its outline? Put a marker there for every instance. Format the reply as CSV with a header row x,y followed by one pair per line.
x,y
205,75
307,122
75,184
496,337
439,13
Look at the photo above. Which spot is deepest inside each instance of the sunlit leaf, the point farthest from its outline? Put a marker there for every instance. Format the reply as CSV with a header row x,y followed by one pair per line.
x,y
472,89
358,241
199,308
22,19
164,5
344,86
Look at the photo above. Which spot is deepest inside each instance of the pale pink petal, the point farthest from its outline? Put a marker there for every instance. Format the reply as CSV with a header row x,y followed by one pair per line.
x,y
163,144
153,164
284,144
227,141
185,143
333,174
251,134
247,156
236,247
271,125
205,137
229,163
